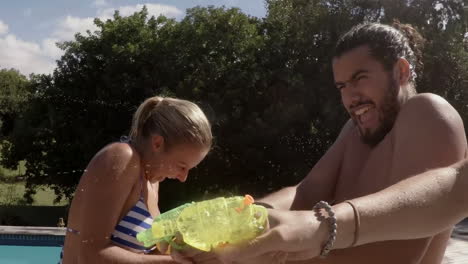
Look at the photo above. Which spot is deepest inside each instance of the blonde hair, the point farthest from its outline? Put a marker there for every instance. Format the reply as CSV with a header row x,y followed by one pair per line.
x,y
176,120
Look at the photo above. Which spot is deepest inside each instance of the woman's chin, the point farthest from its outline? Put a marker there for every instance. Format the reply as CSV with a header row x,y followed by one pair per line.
x,y
157,179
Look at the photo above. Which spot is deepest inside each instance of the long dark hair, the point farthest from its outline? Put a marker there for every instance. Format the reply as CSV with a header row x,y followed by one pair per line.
x,y
386,43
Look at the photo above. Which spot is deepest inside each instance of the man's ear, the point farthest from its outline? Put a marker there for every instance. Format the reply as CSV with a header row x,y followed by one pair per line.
x,y
402,71
157,143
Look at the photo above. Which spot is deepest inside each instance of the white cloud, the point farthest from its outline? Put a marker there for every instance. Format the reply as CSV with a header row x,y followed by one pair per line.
x,y
3,28
99,3
153,10
50,49
39,57
27,57
70,25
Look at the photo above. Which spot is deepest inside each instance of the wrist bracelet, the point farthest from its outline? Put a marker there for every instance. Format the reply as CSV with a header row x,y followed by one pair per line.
x,y
331,219
357,223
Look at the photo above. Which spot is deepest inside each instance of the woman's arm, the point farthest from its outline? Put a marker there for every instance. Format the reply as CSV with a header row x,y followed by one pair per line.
x,y
115,254
98,205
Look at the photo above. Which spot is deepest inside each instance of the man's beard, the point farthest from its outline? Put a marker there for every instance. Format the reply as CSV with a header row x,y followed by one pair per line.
x,y
387,115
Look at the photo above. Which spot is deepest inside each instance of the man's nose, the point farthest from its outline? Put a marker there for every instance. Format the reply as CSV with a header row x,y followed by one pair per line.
x,y
351,96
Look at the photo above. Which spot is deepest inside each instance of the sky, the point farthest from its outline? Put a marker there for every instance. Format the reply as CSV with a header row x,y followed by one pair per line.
x,y
30,29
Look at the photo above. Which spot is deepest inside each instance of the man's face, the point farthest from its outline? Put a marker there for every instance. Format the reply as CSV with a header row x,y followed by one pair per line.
x,y
368,92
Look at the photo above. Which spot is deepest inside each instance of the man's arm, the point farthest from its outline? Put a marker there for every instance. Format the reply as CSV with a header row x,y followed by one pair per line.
x,y
429,133
318,184
429,203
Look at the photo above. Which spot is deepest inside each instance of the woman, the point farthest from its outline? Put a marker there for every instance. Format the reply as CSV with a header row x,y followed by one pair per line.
x,y
117,196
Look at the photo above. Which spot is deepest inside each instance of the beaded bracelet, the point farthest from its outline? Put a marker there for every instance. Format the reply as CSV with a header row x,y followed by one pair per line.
x,y
331,219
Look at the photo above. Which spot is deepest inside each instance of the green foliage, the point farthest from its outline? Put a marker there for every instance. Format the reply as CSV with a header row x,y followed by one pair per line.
x,y
13,95
266,85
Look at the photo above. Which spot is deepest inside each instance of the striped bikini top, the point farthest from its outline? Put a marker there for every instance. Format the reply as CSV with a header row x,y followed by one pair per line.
x,y
137,219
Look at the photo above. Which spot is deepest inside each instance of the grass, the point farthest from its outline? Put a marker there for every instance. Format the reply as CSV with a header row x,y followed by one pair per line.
x,y
12,194
12,191
12,173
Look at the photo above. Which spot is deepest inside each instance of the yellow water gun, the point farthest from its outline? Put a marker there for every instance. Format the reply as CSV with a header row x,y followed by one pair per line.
x,y
208,224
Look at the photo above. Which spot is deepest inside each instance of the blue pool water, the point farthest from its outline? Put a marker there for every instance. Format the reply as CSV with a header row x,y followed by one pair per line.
x,y
35,247
29,254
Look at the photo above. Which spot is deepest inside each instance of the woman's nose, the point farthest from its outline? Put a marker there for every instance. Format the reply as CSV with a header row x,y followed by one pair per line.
x,y
182,177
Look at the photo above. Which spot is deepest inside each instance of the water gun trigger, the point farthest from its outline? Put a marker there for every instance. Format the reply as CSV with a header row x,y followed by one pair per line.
x,y
164,248
167,246
169,250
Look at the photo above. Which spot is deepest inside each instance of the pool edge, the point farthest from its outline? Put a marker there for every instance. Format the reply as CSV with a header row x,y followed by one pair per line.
x,y
32,236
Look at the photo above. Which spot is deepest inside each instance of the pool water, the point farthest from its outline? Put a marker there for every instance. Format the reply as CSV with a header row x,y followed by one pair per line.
x,y
29,254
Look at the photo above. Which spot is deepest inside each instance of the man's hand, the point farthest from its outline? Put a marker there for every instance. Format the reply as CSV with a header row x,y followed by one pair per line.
x,y
293,235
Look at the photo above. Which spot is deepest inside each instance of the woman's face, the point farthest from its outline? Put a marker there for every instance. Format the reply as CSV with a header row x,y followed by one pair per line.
x,y
174,163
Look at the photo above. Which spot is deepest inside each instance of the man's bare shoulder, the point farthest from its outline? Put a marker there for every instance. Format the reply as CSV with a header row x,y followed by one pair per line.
x,y
426,111
428,133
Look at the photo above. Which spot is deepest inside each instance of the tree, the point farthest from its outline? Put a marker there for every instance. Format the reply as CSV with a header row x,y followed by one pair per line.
x,y
13,94
87,102
265,84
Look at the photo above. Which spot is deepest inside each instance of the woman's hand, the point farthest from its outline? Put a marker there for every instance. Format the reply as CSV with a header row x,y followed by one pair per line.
x,y
293,235
177,255
193,255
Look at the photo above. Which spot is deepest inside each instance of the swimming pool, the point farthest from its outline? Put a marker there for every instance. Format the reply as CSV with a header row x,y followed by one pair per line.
x,y
30,245
29,254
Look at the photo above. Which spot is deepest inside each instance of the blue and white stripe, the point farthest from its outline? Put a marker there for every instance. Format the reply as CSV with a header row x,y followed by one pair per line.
x,y
138,219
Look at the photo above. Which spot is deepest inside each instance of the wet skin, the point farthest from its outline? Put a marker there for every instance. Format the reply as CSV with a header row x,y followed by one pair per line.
x,y
389,137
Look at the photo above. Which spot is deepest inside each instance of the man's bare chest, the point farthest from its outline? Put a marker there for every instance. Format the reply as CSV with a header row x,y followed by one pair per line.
x,y
364,170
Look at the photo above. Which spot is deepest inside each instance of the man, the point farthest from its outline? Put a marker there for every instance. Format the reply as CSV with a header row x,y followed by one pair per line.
x,y
393,133
419,206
